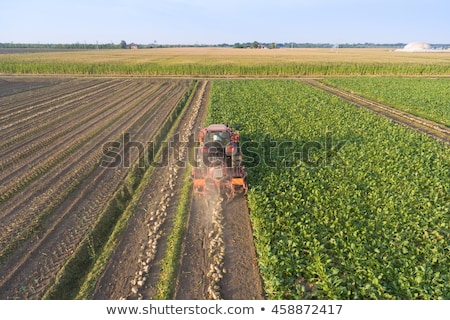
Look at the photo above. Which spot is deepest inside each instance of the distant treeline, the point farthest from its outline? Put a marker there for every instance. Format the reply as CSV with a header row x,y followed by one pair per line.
x,y
254,44
60,46
273,45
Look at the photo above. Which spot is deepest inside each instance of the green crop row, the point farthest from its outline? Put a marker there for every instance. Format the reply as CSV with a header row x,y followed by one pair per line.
x,y
13,65
424,97
344,204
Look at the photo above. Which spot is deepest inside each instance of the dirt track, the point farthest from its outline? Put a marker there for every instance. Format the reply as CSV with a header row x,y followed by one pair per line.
x,y
219,260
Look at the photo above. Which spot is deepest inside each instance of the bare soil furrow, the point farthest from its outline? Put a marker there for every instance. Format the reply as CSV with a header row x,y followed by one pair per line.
x,y
56,87
12,108
53,138
35,140
81,212
16,85
31,168
34,130
23,121
15,100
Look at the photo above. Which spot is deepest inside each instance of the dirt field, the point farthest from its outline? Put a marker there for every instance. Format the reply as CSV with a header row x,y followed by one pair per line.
x,y
53,190
219,256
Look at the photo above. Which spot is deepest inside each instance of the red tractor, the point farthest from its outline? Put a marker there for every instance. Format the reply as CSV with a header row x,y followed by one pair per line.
x,y
220,162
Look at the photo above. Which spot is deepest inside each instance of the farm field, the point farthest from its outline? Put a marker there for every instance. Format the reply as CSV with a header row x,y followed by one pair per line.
x,y
55,189
424,97
229,62
90,209
344,204
95,193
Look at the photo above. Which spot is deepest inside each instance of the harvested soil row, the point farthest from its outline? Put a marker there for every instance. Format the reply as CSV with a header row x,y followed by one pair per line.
x,y
71,107
38,165
178,157
98,133
216,251
85,128
35,203
78,212
14,107
35,140
60,86
15,85
25,124
61,178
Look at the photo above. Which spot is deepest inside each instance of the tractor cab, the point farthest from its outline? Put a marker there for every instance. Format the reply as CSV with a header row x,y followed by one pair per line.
x,y
215,133
220,161
217,137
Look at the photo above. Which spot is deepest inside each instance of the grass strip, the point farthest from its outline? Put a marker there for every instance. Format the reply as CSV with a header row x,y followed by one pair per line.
x,y
170,263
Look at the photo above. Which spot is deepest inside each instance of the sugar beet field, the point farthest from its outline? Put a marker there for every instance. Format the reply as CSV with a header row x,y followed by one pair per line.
x,y
349,189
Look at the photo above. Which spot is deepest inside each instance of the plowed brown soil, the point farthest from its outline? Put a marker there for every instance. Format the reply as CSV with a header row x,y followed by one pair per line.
x,y
53,193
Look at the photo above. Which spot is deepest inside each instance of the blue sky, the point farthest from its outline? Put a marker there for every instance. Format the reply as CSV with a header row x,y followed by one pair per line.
x,y
213,22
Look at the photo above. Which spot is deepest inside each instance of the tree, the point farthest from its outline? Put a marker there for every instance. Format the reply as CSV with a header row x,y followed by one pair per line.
x,y
255,45
123,44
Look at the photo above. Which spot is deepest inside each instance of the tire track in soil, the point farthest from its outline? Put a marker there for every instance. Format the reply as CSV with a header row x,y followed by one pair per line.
x,y
199,275
219,259
77,213
242,280
98,192
133,270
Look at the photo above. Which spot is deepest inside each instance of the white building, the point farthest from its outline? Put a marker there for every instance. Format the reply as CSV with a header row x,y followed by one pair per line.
x,y
416,47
